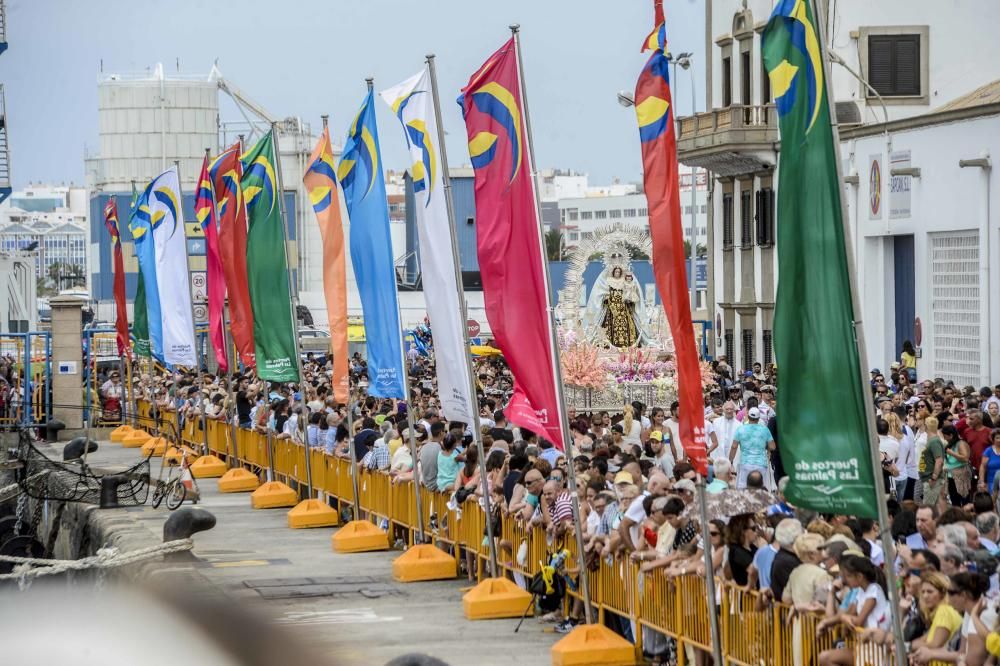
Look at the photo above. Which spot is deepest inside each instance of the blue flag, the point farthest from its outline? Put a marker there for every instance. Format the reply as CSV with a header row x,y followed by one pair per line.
x,y
140,224
360,174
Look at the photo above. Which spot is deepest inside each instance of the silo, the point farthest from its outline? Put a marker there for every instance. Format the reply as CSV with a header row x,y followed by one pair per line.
x,y
148,121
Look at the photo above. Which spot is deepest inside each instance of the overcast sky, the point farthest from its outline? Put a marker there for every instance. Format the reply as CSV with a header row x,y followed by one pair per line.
x,y
310,57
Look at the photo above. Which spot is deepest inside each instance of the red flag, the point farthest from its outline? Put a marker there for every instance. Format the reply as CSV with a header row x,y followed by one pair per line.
x,y
226,172
121,314
510,259
654,111
205,211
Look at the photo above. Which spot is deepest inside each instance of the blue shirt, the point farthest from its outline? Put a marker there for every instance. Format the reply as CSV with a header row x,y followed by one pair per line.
x,y
753,439
551,455
447,469
762,561
992,459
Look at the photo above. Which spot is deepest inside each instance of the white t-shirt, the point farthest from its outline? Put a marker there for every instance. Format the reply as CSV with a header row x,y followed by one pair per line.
x,y
878,555
889,446
989,618
593,522
724,430
632,436
637,514
879,617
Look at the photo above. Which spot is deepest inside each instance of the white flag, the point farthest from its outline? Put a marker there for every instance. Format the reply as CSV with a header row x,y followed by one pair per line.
x,y
412,103
167,219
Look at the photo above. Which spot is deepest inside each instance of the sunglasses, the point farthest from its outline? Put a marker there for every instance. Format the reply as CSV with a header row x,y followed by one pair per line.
x,y
714,534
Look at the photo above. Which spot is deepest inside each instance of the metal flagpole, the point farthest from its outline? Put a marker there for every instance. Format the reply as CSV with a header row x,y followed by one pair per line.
x,y
476,431
553,342
859,335
350,445
294,298
194,329
409,405
706,537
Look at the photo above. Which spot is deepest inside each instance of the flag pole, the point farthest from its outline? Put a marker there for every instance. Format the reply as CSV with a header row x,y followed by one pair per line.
x,y
410,425
859,336
294,299
553,342
456,260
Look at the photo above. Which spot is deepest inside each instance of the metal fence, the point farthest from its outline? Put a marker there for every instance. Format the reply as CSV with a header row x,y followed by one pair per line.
x,y
26,393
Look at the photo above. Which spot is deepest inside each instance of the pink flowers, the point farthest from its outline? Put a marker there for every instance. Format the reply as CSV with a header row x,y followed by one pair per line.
x,y
581,364
637,365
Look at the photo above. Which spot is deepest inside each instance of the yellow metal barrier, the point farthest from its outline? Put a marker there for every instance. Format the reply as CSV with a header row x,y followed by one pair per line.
x,y
753,632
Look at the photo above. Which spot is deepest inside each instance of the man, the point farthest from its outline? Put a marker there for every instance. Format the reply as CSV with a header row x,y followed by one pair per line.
x,y
628,529
430,417
977,435
723,429
752,441
368,434
534,484
931,464
926,534
377,458
557,508
672,424
723,480
428,456
781,507
549,454
988,526
785,560
758,372
500,430
664,454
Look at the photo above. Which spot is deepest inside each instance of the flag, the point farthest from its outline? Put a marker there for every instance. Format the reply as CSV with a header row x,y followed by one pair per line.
x,y
412,102
360,174
654,112
274,331
121,314
163,201
814,314
320,180
205,211
140,225
510,257
140,318
226,172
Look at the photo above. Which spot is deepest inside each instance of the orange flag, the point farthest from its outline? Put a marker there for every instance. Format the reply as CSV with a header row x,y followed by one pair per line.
x,y
321,181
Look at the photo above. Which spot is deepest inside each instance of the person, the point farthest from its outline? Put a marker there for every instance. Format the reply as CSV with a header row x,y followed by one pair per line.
x,y
742,541
723,471
990,464
908,361
785,560
723,429
971,429
752,441
427,457
926,534
931,466
664,452
447,463
868,607
944,620
615,309
631,426
809,583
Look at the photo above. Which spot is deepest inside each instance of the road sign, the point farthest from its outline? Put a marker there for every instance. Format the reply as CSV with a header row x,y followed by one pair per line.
x,y
473,327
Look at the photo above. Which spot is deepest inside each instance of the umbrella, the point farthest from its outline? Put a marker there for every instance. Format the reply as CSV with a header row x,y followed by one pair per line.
x,y
483,350
732,502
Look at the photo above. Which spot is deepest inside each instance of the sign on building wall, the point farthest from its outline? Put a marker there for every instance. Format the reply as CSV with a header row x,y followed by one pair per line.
x,y
899,186
875,180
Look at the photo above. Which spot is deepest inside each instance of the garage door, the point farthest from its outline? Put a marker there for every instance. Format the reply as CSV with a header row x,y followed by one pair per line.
x,y
955,305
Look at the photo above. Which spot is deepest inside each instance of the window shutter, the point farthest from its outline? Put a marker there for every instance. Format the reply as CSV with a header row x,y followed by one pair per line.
x,y
770,207
758,216
907,65
880,64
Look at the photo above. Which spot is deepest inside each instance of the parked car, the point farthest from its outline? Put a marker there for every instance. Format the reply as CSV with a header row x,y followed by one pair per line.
x,y
314,340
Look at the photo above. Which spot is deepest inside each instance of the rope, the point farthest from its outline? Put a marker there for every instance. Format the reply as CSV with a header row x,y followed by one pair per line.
x,y
106,558
9,491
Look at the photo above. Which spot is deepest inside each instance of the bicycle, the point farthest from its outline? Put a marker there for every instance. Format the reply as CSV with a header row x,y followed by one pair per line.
x,y
173,489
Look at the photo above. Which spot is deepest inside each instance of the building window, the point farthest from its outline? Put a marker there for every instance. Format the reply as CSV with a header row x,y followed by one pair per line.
x,y
768,348
745,77
704,208
728,338
727,221
764,214
615,214
765,85
747,348
574,236
587,235
894,65
727,81
586,215
629,212
746,220
574,214
600,214
643,212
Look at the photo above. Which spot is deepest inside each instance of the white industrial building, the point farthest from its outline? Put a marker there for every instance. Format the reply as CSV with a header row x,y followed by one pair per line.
x,y
918,59
50,219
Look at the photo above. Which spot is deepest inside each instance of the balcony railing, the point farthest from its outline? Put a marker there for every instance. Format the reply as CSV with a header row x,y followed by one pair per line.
x,y
735,117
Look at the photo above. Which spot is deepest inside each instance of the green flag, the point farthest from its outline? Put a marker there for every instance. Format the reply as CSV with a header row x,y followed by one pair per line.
x,y
140,321
267,271
828,460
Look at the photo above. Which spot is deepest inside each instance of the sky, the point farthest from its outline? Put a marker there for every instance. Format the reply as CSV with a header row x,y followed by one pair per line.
x,y
310,57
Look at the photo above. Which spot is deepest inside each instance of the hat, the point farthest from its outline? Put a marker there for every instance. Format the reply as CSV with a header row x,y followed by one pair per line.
x,y
754,413
894,365
686,485
623,477
876,371
657,435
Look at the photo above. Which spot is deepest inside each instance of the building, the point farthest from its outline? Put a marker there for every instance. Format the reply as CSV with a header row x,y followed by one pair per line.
x,y
916,62
53,221
18,303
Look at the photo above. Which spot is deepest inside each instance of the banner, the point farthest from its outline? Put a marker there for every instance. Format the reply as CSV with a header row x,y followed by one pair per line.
x,y
140,226
814,338
205,211
226,173
140,318
510,257
654,112
360,174
320,180
163,199
121,313
274,330
412,102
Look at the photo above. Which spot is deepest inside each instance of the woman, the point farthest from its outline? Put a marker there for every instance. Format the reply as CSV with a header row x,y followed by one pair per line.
x,y
868,609
905,459
944,620
993,411
448,464
468,473
990,464
741,539
908,359
809,584
956,466
631,427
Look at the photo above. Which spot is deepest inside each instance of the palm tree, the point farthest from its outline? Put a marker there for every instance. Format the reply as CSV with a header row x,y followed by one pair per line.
x,y
554,244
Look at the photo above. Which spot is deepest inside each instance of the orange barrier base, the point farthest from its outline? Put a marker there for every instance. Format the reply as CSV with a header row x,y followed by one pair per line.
x,y
593,644
424,562
135,439
495,598
360,536
156,446
120,433
238,480
173,454
312,513
208,467
273,495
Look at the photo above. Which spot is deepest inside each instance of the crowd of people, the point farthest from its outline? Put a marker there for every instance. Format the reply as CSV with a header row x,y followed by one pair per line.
x,y
636,490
